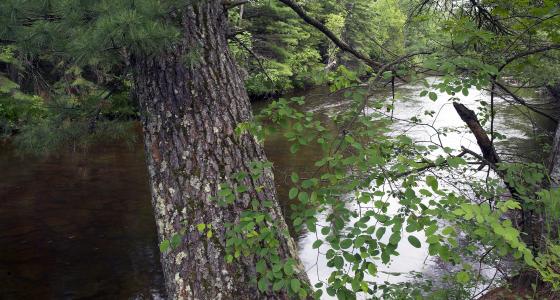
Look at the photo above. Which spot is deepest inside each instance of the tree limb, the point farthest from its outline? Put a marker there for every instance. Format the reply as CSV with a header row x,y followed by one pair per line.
x,y
469,117
321,27
523,102
489,155
426,167
527,53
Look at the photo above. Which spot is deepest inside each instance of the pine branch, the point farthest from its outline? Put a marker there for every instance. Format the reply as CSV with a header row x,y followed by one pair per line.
x,y
522,101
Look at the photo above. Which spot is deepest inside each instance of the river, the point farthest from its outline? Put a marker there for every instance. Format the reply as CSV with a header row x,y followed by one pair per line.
x,y
79,225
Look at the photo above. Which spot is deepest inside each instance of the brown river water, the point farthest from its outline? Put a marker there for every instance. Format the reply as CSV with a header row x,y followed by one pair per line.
x,y
80,225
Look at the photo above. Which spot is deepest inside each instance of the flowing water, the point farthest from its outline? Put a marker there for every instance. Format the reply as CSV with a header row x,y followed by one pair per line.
x,y
79,225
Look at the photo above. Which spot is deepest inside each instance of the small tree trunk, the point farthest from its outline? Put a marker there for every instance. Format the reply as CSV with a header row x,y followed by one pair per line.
x,y
190,109
554,91
554,166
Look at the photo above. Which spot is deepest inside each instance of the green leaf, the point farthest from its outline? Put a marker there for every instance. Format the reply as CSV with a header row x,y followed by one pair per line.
x,y
338,262
448,230
311,224
345,244
263,284
414,241
510,204
293,193
294,148
261,266
395,238
359,241
295,285
432,182
380,232
454,162
278,285
295,177
303,197
164,246
276,268
317,244
459,212
462,277
433,96
224,192
385,257
176,240
313,197
289,268
372,269
242,189
387,74
355,285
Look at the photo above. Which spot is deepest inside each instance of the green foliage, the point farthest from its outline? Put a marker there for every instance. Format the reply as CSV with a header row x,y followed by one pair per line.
x,y
286,48
374,27
174,241
88,116
16,107
355,184
90,32
256,234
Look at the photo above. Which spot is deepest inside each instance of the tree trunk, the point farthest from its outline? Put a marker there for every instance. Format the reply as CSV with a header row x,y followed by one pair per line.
x,y
554,167
190,109
554,163
554,91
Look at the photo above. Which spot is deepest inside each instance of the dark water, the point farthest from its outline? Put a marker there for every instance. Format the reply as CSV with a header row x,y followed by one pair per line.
x,y
80,225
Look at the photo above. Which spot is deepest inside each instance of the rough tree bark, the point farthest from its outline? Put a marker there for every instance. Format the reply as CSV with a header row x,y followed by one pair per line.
x,y
554,91
189,114
554,167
